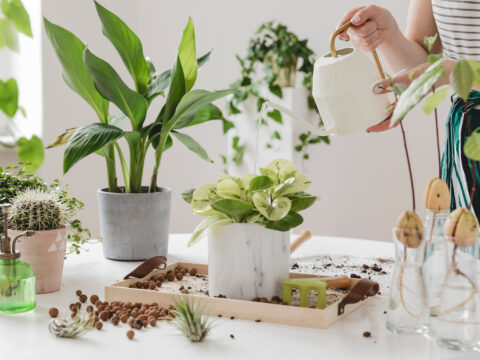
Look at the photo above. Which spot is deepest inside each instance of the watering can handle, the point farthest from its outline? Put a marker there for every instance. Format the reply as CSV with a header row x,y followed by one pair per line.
x,y
334,51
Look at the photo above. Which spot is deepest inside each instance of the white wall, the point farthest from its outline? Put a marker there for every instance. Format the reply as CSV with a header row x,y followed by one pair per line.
x,y
363,180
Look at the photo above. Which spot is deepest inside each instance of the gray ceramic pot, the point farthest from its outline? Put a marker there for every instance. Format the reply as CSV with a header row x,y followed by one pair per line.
x,y
134,226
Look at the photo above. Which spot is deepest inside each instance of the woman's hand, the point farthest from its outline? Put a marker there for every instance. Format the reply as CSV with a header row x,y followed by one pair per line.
x,y
373,26
386,86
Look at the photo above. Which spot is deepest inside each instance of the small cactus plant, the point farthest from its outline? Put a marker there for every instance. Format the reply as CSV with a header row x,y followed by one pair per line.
x,y
37,210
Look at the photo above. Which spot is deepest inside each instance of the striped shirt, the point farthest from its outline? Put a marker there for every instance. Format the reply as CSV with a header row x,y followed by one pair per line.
x,y
458,23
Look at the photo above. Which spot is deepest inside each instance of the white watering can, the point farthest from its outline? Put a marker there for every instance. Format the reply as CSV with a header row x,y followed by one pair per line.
x,y
342,89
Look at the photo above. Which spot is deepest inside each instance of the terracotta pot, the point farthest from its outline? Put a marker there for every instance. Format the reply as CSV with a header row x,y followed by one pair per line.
x,y
44,252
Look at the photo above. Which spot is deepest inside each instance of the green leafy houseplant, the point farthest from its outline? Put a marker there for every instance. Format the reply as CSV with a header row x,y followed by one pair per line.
x,y
190,321
272,199
16,20
278,51
14,181
99,84
464,75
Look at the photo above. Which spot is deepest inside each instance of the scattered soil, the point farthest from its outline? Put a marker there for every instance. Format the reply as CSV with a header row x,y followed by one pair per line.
x,y
367,334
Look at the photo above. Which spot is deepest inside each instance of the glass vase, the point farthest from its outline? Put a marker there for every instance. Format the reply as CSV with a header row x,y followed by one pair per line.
x,y
17,286
457,322
434,266
408,308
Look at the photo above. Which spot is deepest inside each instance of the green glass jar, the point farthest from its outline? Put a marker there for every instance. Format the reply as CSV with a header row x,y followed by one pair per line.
x,y
17,286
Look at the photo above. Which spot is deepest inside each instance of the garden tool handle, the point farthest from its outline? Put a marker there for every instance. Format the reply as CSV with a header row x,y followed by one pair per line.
x,y
304,236
334,51
337,282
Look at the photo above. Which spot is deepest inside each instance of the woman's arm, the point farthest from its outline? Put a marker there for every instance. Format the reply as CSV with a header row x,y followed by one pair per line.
x,y
375,27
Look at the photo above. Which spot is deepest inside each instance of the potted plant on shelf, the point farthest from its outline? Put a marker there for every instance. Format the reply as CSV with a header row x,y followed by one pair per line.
x,y
278,51
44,213
134,219
15,180
248,222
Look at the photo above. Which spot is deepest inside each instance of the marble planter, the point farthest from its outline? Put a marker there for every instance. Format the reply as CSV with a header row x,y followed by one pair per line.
x,y
247,261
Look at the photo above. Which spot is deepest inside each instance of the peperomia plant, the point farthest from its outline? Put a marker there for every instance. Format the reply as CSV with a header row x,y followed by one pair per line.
x,y
272,199
278,51
99,84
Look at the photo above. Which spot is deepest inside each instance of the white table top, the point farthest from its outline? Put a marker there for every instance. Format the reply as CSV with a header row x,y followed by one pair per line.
x,y
26,337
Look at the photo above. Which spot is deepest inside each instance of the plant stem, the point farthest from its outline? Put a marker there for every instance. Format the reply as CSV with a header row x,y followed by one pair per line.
x,y
111,170
158,160
472,169
438,140
409,164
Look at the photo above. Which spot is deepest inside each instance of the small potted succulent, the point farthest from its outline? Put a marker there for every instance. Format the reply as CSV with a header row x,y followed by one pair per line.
x,y
45,213
247,224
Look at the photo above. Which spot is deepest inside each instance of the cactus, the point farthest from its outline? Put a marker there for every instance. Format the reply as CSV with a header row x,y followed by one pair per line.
x,y
37,210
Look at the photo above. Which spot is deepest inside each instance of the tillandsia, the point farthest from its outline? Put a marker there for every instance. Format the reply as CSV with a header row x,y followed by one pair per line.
x,y
71,328
277,50
190,321
271,199
97,82
37,210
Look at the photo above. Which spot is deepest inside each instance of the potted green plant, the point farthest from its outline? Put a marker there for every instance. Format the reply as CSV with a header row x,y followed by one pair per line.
x,y
278,51
46,214
16,20
15,180
134,219
247,224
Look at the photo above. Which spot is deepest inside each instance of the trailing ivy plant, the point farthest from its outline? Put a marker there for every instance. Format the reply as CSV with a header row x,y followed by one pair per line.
x,y
275,49
272,199
16,20
98,83
15,180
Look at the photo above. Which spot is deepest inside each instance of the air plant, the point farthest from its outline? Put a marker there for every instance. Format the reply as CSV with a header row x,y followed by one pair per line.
x,y
71,328
190,321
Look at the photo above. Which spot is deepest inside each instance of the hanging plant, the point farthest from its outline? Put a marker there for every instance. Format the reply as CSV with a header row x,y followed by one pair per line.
x,y
278,52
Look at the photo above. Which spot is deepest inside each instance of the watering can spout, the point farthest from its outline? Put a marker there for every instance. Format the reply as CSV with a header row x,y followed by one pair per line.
x,y
306,124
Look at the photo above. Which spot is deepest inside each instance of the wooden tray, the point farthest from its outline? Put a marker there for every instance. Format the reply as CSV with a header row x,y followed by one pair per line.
x,y
240,309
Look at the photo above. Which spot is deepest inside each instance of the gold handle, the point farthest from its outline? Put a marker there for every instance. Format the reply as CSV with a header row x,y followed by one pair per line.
x,y
334,51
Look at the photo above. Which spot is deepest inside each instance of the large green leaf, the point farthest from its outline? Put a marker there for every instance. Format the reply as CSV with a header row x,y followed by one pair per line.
x,y
301,201
227,187
69,50
187,195
87,140
472,145
461,79
417,90
9,97
206,113
192,145
292,220
191,103
260,183
208,225
112,88
127,44
432,102
188,55
202,198
14,10
272,210
30,153
161,82
63,138
236,209
8,35
175,94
